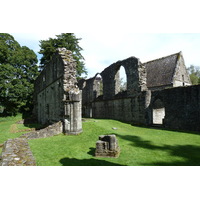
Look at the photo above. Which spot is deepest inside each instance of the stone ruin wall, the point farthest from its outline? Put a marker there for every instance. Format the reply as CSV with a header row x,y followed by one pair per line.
x,y
181,104
182,107
113,104
57,96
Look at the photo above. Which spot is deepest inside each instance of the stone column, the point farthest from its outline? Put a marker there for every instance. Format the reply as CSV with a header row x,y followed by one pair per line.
x,y
72,117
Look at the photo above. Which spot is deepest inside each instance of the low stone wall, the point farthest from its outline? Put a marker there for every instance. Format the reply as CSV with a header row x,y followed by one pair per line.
x,y
16,152
49,131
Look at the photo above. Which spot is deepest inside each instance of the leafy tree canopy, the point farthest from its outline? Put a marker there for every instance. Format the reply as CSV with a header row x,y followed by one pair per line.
x,y
67,40
18,70
194,72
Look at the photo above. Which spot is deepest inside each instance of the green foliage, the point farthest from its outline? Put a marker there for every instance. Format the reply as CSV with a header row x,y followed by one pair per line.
x,y
67,40
194,72
123,85
18,70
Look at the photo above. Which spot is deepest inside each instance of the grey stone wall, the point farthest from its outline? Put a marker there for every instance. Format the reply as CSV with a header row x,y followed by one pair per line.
x,y
182,107
57,96
136,83
128,109
118,109
181,76
136,78
91,89
178,108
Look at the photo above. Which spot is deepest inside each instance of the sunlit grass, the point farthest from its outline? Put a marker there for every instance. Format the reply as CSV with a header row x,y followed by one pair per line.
x,y
9,128
139,146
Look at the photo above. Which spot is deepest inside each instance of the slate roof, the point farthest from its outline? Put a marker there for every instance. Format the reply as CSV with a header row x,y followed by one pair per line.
x,y
160,72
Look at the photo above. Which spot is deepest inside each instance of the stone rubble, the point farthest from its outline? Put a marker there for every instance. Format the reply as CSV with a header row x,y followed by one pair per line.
x,y
107,146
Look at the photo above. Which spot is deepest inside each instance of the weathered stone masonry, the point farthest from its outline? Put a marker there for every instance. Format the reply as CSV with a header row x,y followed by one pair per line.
x,y
182,107
113,104
57,96
156,89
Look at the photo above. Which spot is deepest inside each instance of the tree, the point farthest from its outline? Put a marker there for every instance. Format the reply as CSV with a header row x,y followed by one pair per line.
x,y
18,70
123,85
67,40
194,72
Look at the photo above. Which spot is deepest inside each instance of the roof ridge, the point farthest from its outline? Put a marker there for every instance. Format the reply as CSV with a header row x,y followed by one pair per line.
x,y
162,58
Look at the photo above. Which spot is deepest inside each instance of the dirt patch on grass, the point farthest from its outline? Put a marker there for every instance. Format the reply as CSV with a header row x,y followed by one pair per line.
x,y
14,129
20,122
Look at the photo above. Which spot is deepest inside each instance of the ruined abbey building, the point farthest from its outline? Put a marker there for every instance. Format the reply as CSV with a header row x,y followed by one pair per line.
x,y
56,94
158,92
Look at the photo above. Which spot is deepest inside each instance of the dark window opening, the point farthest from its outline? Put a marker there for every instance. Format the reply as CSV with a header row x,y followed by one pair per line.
x,y
183,80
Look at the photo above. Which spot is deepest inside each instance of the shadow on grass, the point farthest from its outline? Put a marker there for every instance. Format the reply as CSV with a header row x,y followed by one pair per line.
x,y
190,153
86,162
168,129
155,127
32,123
92,151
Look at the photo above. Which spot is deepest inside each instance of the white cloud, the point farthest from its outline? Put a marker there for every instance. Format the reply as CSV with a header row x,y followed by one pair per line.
x,y
101,49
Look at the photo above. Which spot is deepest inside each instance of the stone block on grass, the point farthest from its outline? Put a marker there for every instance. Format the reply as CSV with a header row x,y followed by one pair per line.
x,y
107,146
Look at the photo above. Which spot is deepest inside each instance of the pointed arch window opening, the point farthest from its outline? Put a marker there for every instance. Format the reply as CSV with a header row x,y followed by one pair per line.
x,y
122,79
98,86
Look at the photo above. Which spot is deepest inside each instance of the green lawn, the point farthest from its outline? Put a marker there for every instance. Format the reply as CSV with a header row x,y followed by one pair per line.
x,y
139,146
9,128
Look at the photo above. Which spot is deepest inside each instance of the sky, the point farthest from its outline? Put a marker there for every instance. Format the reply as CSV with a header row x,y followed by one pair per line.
x,y
102,49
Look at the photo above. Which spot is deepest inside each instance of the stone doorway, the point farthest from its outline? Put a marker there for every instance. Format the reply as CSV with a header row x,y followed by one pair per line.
x,y
158,112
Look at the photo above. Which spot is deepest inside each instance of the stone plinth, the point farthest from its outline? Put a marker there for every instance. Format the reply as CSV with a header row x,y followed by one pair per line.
x,y
107,146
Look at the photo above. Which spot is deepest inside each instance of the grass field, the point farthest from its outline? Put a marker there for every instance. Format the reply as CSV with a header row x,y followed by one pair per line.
x,y
9,128
139,146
